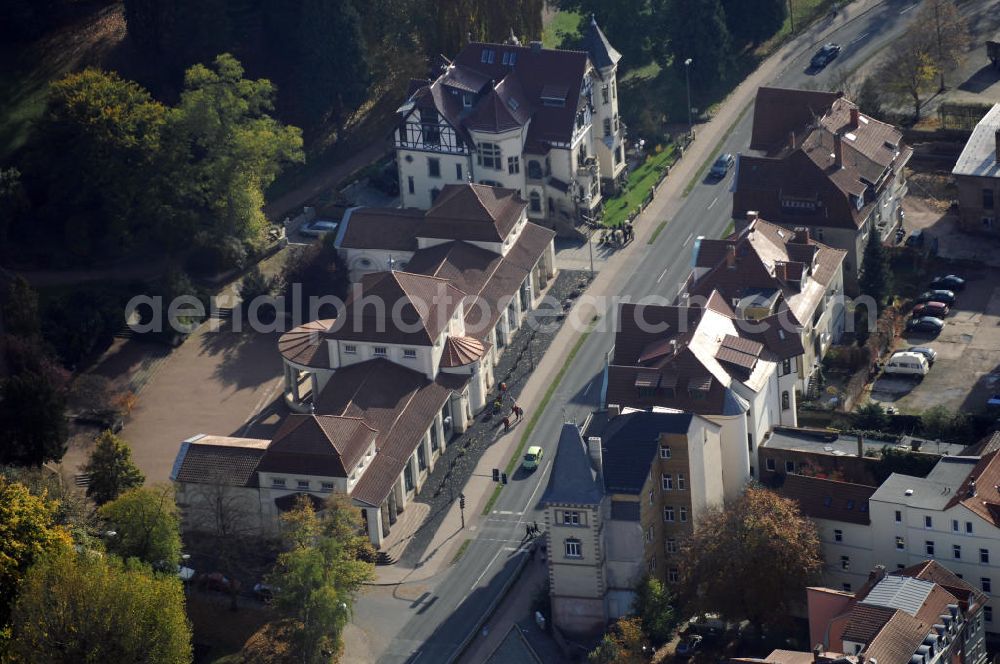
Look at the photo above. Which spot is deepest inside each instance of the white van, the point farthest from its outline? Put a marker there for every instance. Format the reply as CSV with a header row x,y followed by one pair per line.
x,y
906,363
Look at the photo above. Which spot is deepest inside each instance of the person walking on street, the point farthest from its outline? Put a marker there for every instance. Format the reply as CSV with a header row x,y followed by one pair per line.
x,y
535,526
506,424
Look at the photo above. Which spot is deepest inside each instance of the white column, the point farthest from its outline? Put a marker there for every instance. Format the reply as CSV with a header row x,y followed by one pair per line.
x,y
315,386
374,515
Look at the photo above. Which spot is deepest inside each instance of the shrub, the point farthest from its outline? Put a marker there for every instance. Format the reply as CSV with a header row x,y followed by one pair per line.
x,y
212,254
256,284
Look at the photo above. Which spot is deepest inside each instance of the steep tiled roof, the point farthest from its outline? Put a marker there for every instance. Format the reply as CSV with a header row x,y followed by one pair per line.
x,y
631,442
601,52
305,345
572,481
459,351
219,460
979,491
318,445
398,308
898,639
779,111
392,229
503,108
820,498
475,212
397,402
932,570
866,621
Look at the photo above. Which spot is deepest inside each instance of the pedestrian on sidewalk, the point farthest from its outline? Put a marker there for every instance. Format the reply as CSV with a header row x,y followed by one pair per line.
x,y
527,530
503,387
535,526
506,424
518,412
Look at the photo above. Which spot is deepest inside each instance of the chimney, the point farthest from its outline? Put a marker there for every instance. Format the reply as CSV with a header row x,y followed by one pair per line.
x,y
855,117
801,235
838,151
596,456
614,410
877,574
752,216
673,346
731,256
861,448
536,46
817,652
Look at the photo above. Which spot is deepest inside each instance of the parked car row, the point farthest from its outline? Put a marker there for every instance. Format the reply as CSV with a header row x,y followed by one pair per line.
x,y
934,304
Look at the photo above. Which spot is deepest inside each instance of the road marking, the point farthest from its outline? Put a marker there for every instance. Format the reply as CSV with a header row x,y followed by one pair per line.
x,y
712,204
488,566
662,274
903,11
688,240
861,36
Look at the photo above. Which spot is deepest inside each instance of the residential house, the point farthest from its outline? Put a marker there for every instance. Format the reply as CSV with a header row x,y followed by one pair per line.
x,y
788,283
825,166
696,358
977,175
379,390
923,614
543,122
618,506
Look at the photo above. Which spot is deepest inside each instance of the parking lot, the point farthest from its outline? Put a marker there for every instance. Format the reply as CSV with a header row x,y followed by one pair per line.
x,y
967,369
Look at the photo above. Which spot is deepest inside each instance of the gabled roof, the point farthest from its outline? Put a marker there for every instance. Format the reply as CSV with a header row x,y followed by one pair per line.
x,y
399,403
324,445
398,308
572,481
601,52
503,108
474,212
631,442
980,490
981,155
779,111
392,229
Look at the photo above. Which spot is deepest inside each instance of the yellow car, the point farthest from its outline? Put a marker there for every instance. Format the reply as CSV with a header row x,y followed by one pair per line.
x,y
533,457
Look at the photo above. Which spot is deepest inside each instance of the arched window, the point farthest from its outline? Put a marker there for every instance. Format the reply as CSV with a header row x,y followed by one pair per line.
x,y
786,400
489,156
534,170
536,200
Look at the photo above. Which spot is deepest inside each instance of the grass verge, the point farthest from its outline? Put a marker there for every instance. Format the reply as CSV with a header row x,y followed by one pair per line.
x,y
461,551
538,413
564,25
656,233
640,181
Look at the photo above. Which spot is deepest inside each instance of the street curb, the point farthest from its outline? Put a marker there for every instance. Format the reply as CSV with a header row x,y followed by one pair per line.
x,y
494,603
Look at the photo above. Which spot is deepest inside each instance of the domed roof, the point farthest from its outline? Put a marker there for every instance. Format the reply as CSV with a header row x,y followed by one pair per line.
x,y
305,345
459,351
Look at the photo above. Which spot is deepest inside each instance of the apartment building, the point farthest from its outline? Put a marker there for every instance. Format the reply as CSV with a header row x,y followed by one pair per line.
x,y
618,506
543,122
783,283
821,164
977,175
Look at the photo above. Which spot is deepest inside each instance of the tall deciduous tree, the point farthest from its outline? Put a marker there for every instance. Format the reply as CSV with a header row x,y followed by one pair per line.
x,y
27,531
697,30
226,148
146,526
111,469
654,607
87,609
625,643
33,420
754,20
943,28
752,560
908,72
318,575
876,276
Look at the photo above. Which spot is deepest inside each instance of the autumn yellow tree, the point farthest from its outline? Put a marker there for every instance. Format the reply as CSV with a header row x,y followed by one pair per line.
x,y
625,643
751,560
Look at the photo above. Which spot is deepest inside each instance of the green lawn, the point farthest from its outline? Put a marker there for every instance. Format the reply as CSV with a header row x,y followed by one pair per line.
x,y
639,183
562,25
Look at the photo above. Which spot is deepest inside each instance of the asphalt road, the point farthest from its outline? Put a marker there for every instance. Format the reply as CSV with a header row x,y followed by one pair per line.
x,y
437,625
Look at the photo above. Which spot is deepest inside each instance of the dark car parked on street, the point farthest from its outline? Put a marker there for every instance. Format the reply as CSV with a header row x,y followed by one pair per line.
x,y
951,282
825,55
925,325
935,309
943,296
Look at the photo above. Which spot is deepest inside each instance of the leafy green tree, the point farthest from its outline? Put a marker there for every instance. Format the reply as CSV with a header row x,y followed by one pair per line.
x,y
751,560
84,609
225,148
255,284
870,416
654,607
146,526
20,310
27,531
332,67
908,72
315,271
697,30
876,276
625,643
319,574
628,24
869,98
33,419
754,21
97,154
111,469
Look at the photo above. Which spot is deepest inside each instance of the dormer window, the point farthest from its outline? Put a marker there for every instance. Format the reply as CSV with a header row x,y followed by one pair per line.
x,y
488,56
467,99
409,354
510,58
380,351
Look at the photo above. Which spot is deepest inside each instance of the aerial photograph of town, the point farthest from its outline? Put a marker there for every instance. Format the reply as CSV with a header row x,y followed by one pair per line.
x,y
499,332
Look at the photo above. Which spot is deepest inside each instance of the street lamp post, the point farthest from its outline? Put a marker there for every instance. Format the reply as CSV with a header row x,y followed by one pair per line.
x,y
687,78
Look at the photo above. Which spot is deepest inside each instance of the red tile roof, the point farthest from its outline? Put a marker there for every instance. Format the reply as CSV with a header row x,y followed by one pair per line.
x,y
392,229
460,351
305,345
318,445
829,499
475,212
219,460
779,111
